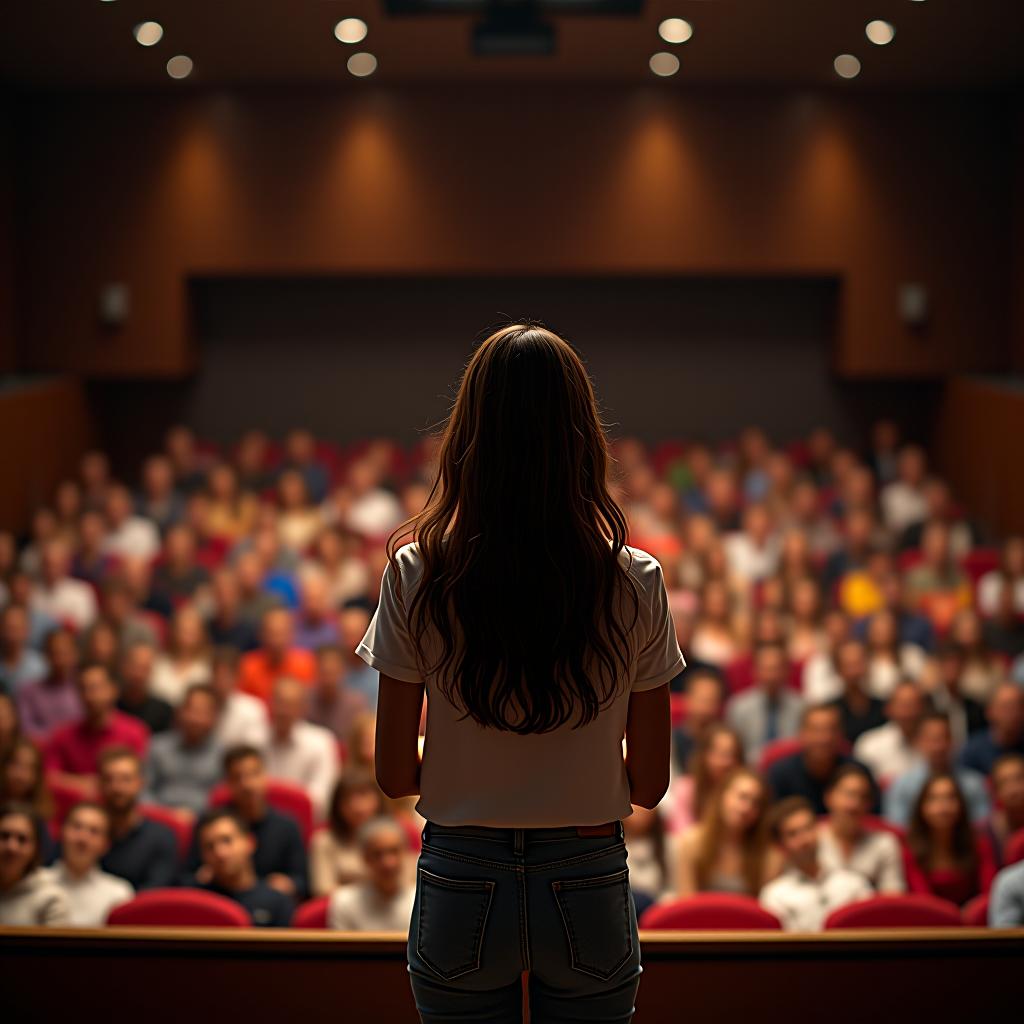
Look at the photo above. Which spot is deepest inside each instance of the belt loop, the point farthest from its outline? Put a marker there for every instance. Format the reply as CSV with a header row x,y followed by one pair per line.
x,y
519,837
622,829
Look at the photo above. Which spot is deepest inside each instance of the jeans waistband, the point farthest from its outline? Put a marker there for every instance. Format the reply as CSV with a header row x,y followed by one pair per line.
x,y
510,835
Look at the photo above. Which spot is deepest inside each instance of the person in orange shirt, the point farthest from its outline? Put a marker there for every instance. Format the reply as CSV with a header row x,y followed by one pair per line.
x,y
275,657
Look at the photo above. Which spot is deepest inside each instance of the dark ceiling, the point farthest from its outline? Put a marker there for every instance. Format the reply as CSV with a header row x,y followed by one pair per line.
x,y
89,43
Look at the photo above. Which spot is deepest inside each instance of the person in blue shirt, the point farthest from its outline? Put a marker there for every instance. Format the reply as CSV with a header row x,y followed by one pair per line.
x,y
1005,734
227,847
933,744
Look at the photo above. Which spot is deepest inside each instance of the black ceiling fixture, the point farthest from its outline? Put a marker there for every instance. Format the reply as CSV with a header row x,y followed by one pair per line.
x,y
513,27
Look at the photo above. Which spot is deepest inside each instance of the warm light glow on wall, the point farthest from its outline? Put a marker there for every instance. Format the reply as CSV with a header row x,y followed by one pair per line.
x,y
180,66
148,33
350,30
846,65
879,32
664,64
675,30
362,64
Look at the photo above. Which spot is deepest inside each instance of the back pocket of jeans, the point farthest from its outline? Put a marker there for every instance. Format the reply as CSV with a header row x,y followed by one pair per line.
x,y
595,913
452,918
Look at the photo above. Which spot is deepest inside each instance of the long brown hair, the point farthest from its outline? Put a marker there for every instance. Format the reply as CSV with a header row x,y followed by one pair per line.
x,y
703,785
919,838
712,833
40,800
520,511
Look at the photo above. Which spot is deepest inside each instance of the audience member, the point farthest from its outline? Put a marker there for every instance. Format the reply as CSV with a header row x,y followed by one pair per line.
x,y
1006,907
704,699
933,745
91,892
227,847
382,900
334,856
54,700
1005,733
770,710
807,890
808,772
28,895
186,660
57,594
653,854
20,664
241,718
332,704
845,840
136,696
718,750
858,710
888,750
950,859
142,852
1007,818
276,657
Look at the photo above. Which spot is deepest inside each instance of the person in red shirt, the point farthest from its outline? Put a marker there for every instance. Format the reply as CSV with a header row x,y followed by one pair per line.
x,y
72,753
276,657
948,857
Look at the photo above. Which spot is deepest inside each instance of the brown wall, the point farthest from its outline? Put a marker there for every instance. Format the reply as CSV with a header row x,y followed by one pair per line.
x,y
877,190
8,344
977,446
45,426
1017,221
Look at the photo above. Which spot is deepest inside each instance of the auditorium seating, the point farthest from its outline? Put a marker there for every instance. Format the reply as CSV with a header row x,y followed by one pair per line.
x,y
188,908
182,829
907,910
710,911
311,914
1014,848
975,912
283,796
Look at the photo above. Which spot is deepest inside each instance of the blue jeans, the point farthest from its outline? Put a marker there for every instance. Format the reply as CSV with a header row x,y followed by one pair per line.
x,y
494,902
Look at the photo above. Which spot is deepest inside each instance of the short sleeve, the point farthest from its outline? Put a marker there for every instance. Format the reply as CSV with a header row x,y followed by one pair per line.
x,y
387,645
660,659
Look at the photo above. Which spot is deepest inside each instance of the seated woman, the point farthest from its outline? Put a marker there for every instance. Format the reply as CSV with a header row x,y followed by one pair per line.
x,y
844,841
950,859
653,853
22,780
28,894
728,850
334,857
719,749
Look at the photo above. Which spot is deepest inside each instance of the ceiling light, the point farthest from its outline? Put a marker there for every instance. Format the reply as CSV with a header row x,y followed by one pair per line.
x,y
675,30
148,33
664,64
180,66
846,65
350,30
879,32
362,64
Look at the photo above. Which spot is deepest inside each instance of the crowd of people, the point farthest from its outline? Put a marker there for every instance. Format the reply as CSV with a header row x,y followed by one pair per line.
x,y
181,703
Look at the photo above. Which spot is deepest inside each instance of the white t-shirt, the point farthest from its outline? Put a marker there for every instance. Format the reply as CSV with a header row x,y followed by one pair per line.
x,y
476,776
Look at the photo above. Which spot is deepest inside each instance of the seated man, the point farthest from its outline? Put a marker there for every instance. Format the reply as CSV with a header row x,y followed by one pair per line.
x,y
143,852
888,750
808,772
933,744
46,704
136,696
382,901
704,698
1006,906
276,657
185,763
1007,781
242,718
300,751
280,857
73,750
333,704
92,893
227,846
859,711
806,892
1005,732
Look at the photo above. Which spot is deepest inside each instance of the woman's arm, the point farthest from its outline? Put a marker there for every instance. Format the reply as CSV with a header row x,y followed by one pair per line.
x,y
648,745
396,753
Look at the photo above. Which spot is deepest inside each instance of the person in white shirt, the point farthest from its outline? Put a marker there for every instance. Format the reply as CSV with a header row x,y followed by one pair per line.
x,y
91,892
299,751
242,718
374,510
807,891
28,895
128,535
903,501
845,841
888,750
753,553
58,595
383,901
820,681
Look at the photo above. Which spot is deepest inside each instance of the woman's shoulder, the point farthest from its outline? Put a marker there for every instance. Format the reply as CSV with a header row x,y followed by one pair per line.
x,y
642,566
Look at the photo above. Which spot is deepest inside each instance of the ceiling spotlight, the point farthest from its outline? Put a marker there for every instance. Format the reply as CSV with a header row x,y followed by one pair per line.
x,y
180,66
879,32
362,64
664,64
148,33
675,30
846,65
350,30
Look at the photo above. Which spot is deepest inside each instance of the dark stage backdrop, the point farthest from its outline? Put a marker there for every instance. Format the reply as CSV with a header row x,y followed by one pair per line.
x,y
356,357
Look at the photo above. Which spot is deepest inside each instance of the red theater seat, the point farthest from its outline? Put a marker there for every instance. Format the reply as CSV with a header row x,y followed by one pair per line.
x,y
907,910
1014,850
975,912
182,830
180,908
710,911
282,796
311,914
776,750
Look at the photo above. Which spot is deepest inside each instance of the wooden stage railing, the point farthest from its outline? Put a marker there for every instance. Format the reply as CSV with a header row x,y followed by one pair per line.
x,y
246,976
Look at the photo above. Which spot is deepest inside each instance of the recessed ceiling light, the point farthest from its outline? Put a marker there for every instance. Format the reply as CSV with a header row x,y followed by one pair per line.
x,y
180,66
362,64
148,33
879,32
675,30
350,30
846,65
664,64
